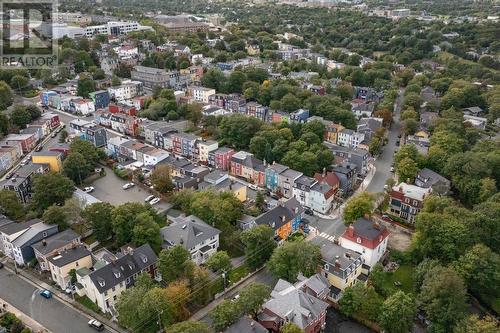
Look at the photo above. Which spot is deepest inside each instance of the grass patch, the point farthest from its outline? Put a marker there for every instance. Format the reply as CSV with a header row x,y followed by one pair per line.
x,y
238,273
86,302
89,240
491,302
404,275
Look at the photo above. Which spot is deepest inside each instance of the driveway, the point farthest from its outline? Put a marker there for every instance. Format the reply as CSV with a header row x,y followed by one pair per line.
x,y
51,313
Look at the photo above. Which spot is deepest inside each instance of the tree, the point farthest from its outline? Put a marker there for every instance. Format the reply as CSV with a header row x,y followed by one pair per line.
x,y
259,200
409,126
130,300
179,292
345,91
157,303
407,170
443,298
397,313
474,324
126,217
293,258
161,179
219,261
11,205
19,83
259,245
290,103
357,207
291,328
236,81
20,116
51,188
189,327
6,96
225,314
76,167
175,263
480,269
213,78
56,215
146,231
99,215
86,149
85,86
252,297
237,130
34,111
194,113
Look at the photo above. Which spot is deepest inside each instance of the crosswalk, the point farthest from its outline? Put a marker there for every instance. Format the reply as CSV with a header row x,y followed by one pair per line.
x,y
327,236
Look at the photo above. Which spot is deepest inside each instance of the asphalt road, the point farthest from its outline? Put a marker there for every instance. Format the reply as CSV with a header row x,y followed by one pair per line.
x,y
51,313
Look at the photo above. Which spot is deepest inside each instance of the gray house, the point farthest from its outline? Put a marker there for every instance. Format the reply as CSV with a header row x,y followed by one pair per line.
x,y
359,157
346,172
427,178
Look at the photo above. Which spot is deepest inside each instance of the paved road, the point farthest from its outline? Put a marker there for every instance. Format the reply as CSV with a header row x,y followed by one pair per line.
x,y
384,161
51,313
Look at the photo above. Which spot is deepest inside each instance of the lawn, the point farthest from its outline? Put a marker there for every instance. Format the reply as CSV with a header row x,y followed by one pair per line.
x,y
403,275
238,273
86,302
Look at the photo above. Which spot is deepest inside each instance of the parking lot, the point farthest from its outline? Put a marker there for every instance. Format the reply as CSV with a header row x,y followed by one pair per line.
x,y
110,189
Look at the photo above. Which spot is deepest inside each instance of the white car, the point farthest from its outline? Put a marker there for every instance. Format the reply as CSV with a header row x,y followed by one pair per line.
x,y
97,325
149,198
128,185
88,189
154,201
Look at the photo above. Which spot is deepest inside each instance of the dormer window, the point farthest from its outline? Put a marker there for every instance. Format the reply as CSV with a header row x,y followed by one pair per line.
x,y
102,283
326,267
358,240
117,274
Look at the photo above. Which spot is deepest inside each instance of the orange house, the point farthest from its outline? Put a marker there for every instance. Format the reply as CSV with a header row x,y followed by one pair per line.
x,y
284,219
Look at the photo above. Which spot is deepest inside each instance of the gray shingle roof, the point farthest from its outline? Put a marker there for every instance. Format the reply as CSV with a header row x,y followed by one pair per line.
x,y
123,268
32,232
13,228
332,253
274,218
187,231
366,229
56,241
246,325
68,256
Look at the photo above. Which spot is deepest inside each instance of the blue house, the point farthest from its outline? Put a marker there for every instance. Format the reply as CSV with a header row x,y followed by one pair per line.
x,y
299,116
100,98
272,176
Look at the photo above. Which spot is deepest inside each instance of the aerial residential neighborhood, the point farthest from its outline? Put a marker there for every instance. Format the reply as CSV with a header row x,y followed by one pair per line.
x,y
251,166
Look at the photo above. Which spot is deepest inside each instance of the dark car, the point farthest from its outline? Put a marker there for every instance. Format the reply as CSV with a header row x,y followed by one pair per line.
x,y
308,211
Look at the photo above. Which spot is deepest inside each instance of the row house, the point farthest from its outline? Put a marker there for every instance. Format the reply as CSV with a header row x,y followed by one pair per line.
x,y
278,117
407,200
113,274
54,244
204,147
21,181
284,219
100,98
342,267
194,235
350,138
155,77
184,144
368,238
302,189
200,94
17,239
254,109
220,158
177,165
290,304
156,133
321,197
218,100
81,106
152,156
272,176
346,173
128,125
315,89
369,126
247,166
9,155
49,121
26,141
128,110
359,157
127,90
219,181
361,109
235,102
89,131
65,261
287,180
367,94
299,116
113,147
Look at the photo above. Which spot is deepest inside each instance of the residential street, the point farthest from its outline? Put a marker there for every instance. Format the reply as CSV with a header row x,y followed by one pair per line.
x,y
51,313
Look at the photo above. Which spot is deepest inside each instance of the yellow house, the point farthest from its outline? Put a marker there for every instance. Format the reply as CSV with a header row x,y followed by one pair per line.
x,y
61,264
342,267
239,190
422,134
52,158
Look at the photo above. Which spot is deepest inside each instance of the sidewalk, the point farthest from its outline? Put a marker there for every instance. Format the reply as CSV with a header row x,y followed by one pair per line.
x,y
35,326
67,300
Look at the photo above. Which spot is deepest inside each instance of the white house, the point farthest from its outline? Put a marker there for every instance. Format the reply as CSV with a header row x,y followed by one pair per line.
x,y
124,51
368,238
83,106
321,197
154,156
200,94
127,90
200,239
205,147
349,138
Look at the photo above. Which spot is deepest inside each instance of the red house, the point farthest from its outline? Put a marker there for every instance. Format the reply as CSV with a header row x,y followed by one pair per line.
x,y
27,141
122,108
220,158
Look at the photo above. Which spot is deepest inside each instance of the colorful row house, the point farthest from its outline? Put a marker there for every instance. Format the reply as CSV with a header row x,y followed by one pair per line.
x,y
220,158
248,167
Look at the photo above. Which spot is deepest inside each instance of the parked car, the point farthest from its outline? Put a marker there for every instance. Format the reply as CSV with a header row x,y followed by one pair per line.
x,y
128,185
88,189
154,201
392,169
149,198
24,162
54,134
253,187
308,211
97,325
39,148
46,294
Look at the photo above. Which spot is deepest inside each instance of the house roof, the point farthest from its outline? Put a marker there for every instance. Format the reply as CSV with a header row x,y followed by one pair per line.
x,y
280,215
411,191
324,189
12,228
290,173
429,178
317,283
305,180
293,304
246,325
215,175
56,241
4,220
329,178
338,257
68,256
187,231
278,168
31,232
123,268
371,234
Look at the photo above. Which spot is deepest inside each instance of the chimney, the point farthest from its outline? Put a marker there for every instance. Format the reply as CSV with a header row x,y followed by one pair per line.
x,y
44,242
337,263
283,218
376,225
350,231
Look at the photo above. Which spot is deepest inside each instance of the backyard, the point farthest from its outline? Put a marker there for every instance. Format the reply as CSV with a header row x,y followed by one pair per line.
x,y
390,282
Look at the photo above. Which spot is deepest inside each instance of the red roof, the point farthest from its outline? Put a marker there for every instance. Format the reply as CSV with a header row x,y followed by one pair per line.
x,y
366,233
330,178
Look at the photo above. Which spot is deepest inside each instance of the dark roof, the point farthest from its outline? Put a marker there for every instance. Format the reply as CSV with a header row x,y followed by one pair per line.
x,y
305,180
33,231
367,229
4,220
246,325
123,268
274,218
68,256
13,228
56,241
429,178
187,231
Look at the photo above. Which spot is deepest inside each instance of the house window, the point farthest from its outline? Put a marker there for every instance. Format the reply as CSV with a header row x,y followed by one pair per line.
x,y
44,234
358,240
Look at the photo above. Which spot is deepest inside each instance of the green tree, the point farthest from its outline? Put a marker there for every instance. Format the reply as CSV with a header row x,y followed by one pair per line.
x,y
20,116
225,314
407,170
291,328
175,263
130,300
236,81
474,324
292,258
189,327
161,179
290,103
56,215
34,111
11,205
126,217
213,78
220,261
344,91
86,149
19,83
147,231
99,215
443,298
397,313
49,189
76,167
259,245
252,297
6,96
158,303
357,207
85,86
237,130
